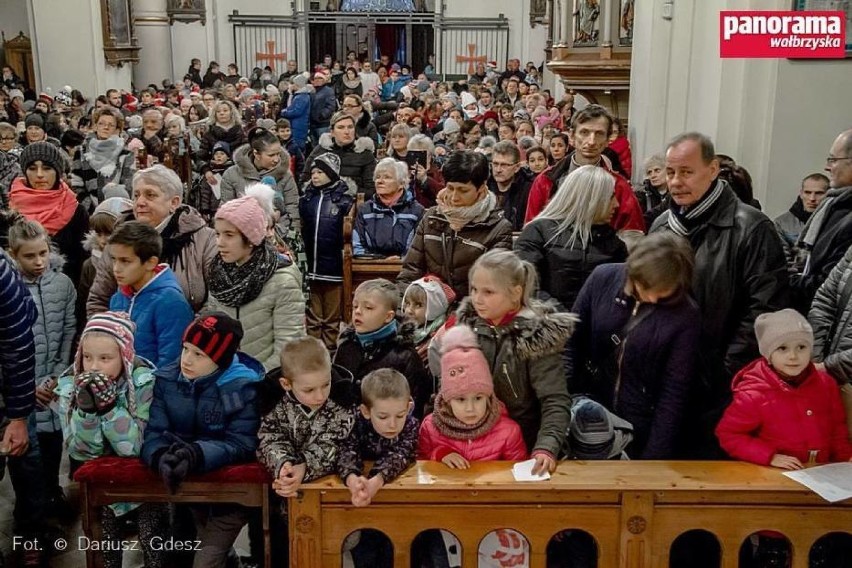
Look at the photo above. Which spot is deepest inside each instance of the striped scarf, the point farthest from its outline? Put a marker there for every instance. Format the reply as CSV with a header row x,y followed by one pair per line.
x,y
684,222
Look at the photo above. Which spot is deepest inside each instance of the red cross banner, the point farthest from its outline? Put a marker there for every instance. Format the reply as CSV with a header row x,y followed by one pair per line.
x,y
271,57
471,58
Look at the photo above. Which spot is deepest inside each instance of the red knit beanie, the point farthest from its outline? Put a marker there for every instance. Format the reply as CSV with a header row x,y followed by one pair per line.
x,y
217,334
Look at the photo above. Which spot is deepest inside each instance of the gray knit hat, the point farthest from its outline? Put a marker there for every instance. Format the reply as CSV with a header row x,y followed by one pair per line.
x,y
330,164
299,80
776,328
47,154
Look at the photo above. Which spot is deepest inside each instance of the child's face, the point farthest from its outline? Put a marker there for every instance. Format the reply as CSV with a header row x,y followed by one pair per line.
x,y
490,125
219,157
195,363
388,416
505,133
310,388
791,358
146,97
101,240
470,408
369,313
319,177
174,129
33,257
491,298
102,354
415,311
128,268
284,134
230,243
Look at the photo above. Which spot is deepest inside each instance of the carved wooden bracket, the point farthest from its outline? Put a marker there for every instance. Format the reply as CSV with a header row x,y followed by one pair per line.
x,y
119,37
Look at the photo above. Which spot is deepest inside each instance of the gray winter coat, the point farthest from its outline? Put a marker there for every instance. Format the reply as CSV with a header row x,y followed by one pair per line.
x,y
244,172
55,298
832,322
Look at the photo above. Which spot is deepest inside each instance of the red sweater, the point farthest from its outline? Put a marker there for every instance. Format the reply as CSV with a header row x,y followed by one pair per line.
x,y
768,416
627,217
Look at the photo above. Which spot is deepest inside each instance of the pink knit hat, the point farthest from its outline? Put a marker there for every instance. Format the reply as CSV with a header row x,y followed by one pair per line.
x,y
463,366
247,215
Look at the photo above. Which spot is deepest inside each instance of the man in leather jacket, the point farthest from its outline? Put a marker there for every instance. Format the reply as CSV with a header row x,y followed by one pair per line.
x,y
740,273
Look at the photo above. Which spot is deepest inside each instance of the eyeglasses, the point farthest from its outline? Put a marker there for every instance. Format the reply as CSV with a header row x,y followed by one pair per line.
x,y
832,160
6,138
351,106
501,165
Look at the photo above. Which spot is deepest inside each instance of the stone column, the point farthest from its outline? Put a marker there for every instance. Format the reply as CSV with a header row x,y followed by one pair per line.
x,y
567,31
154,34
607,12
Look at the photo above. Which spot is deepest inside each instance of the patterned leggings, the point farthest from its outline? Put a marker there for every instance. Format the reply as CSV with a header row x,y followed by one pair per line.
x,y
152,519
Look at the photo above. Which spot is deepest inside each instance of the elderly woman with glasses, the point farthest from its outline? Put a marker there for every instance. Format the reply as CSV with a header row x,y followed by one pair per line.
x,y
189,245
385,224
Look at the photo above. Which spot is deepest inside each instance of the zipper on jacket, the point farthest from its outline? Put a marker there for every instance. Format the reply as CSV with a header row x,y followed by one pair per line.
x,y
509,379
621,358
316,230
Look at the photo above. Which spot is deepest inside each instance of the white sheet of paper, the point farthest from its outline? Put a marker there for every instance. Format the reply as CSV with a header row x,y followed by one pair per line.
x,y
523,472
832,482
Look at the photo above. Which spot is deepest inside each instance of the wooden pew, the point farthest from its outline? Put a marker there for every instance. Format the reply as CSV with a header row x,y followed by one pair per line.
x,y
358,270
634,510
108,480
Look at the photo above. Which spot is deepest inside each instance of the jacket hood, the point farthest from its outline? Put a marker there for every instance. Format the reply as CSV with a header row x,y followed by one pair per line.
x,y
243,160
362,144
364,120
245,367
436,300
760,376
90,242
536,331
188,221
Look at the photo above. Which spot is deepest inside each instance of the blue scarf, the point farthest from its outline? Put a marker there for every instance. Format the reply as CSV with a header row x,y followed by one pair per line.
x,y
368,339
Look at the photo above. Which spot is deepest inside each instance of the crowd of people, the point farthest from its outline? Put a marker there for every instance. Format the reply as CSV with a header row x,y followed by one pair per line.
x,y
171,290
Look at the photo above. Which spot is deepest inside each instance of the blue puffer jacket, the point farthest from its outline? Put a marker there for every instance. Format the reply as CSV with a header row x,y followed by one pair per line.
x,y
161,314
386,230
298,112
219,412
391,89
322,213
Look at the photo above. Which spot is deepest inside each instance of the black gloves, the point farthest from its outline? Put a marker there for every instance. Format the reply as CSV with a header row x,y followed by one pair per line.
x,y
181,459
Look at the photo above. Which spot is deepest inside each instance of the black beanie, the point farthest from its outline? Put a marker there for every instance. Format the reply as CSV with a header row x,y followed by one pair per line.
x,y
34,119
218,335
71,138
329,163
45,152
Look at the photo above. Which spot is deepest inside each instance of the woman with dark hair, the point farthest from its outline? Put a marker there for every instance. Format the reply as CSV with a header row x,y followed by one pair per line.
x,y
212,76
739,179
634,347
264,160
42,195
357,155
349,84
353,105
465,223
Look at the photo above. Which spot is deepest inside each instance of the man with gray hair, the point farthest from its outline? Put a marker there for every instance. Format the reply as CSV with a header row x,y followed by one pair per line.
x,y
740,273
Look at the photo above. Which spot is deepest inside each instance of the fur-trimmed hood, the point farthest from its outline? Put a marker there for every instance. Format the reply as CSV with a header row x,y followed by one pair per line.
x,y
536,331
90,243
243,160
362,144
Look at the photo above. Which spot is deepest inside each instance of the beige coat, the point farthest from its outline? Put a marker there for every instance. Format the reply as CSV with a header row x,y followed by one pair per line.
x,y
277,314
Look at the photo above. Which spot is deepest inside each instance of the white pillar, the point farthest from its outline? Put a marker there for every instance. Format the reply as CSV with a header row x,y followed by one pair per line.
x,y
607,14
567,33
154,34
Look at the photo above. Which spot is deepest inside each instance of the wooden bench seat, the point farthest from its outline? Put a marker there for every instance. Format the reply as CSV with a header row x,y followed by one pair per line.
x,y
109,480
634,510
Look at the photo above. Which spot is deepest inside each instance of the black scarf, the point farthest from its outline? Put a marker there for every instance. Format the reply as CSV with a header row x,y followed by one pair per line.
x,y
798,211
684,221
236,285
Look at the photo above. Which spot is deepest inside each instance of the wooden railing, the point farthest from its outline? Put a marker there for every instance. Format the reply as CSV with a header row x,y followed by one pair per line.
x,y
634,510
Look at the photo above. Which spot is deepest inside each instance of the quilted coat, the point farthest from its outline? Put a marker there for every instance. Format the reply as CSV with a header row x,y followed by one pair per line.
x,y
219,412
525,358
503,442
244,172
832,322
769,416
277,314
55,298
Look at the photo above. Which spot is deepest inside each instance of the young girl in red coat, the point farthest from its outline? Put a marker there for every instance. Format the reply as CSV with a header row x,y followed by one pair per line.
x,y
786,413
469,422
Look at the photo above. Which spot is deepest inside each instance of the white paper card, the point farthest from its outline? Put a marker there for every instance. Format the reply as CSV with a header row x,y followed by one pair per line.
x,y
523,472
832,482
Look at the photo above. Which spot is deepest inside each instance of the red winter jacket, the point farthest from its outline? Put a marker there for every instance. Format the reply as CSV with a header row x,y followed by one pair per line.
x,y
768,416
503,442
627,217
621,145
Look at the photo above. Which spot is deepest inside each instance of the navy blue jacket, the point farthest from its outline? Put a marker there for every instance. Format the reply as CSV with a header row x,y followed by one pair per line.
x,y
323,107
17,348
322,213
219,412
657,358
298,112
383,230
